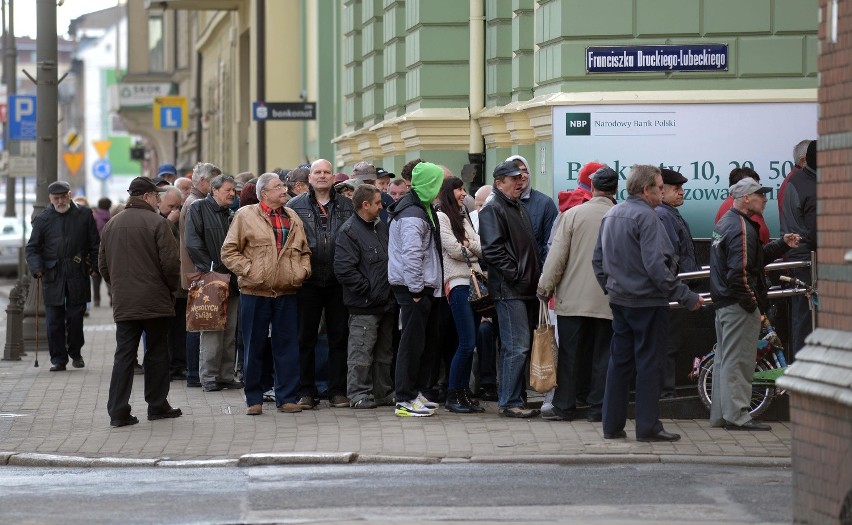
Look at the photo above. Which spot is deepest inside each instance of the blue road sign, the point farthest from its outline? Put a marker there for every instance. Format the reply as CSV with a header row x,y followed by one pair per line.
x,y
101,169
171,117
22,117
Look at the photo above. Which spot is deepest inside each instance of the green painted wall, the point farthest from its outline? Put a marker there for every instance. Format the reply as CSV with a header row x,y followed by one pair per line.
x,y
771,43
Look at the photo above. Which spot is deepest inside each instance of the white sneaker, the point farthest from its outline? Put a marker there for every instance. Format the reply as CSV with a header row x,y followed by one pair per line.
x,y
425,402
412,409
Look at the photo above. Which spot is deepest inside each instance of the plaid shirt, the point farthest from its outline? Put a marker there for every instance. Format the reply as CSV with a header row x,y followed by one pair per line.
x,y
280,224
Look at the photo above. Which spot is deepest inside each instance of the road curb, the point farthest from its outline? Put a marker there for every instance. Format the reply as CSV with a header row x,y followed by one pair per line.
x,y
32,459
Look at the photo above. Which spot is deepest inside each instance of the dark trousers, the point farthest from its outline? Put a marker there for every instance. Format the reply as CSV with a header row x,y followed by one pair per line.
x,y
638,343
800,325
415,356
674,339
177,337
193,352
578,336
127,336
313,301
486,350
96,289
256,315
64,331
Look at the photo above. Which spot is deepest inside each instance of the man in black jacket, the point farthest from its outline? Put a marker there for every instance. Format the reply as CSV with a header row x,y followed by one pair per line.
x,y
510,250
738,289
323,212
207,223
61,253
361,267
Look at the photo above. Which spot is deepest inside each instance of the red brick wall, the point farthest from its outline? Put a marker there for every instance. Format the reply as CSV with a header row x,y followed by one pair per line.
x,y
822,458
835,165
822,427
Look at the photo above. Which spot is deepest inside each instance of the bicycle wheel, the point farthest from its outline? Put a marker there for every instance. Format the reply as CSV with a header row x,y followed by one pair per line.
x,y
761,396
705,382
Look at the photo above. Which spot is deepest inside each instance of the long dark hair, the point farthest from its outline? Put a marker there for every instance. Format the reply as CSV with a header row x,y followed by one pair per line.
x,y
450,206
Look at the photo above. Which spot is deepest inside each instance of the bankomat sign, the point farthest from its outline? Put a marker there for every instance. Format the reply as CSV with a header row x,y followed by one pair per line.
x,y
578,124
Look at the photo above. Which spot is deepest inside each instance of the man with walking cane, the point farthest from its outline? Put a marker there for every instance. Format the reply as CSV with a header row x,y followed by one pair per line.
x,y
61,254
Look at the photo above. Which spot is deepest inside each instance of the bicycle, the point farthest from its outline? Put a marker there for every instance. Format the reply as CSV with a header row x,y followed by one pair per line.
x,y
769,364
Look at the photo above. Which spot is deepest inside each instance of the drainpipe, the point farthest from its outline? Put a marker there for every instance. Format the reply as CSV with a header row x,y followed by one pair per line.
x,y
260,25
476,149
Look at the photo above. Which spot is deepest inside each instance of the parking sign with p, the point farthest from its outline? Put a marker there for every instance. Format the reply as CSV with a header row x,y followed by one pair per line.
x,y
22,117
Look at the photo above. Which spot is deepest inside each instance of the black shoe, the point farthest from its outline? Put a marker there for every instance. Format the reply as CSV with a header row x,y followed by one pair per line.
x,y
178,375
751,425
662,435
488,393
307,402
123,422
193,383
78,363
138,370
555,413
519,412
471,402
57,368
594,416
167,414
212,386
456,403
615,435
231,385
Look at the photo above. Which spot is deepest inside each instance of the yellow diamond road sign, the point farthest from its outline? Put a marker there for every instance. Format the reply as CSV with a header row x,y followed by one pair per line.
x,y
170,113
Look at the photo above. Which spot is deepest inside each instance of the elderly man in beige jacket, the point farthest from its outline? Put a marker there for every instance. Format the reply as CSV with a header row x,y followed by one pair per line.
x,y
584,318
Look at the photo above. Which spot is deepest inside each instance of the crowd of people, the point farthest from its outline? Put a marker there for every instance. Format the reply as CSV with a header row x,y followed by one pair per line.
x,y
375,271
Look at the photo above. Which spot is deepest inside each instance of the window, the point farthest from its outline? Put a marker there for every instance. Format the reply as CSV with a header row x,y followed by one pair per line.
x,y
156,53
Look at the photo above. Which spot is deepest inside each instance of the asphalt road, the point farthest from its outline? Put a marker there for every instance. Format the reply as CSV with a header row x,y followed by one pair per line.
x,y
636,494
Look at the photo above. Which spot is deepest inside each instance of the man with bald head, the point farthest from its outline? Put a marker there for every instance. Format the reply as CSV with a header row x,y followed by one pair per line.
x,y
184,185
323,212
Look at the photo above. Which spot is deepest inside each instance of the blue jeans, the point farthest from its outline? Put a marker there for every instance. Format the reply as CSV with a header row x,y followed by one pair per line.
x,y
193,351
256,315
516,317
466,321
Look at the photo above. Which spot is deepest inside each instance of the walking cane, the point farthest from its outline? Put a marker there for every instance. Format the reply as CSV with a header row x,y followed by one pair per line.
x,y
38,298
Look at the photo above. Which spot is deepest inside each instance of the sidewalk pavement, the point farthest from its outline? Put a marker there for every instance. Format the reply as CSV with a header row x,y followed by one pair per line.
x,y
60,419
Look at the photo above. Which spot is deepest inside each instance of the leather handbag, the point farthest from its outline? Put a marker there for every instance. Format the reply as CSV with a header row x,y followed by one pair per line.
x,y
478,297
207,301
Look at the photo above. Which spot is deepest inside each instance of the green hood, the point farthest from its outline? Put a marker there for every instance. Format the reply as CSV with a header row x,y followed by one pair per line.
x,y
426,181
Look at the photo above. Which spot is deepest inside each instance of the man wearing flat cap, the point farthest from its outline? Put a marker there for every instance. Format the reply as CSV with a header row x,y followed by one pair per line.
x,y
139,258
738,289
61,254
583,316
366,173
509,248
681,238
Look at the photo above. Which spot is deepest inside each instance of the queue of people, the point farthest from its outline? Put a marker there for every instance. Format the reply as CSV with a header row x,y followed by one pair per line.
x,y
380,265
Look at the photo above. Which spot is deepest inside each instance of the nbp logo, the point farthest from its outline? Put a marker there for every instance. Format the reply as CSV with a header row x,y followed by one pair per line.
x,y
578,123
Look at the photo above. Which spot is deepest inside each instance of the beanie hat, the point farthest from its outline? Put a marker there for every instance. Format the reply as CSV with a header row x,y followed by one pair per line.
x,y
587,171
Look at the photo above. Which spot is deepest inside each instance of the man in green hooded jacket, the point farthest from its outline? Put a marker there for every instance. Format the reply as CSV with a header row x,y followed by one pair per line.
x,y
415,275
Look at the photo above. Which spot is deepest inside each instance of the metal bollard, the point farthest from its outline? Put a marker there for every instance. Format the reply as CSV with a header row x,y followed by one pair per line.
x,y
14,324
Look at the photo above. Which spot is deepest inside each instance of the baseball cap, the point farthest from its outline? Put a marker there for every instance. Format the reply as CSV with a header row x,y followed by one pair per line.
x,y
506,168
382,173
166,169
747,186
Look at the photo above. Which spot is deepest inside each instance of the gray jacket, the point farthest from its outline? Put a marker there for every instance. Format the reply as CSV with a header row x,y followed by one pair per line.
x,y
634,260
414,249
